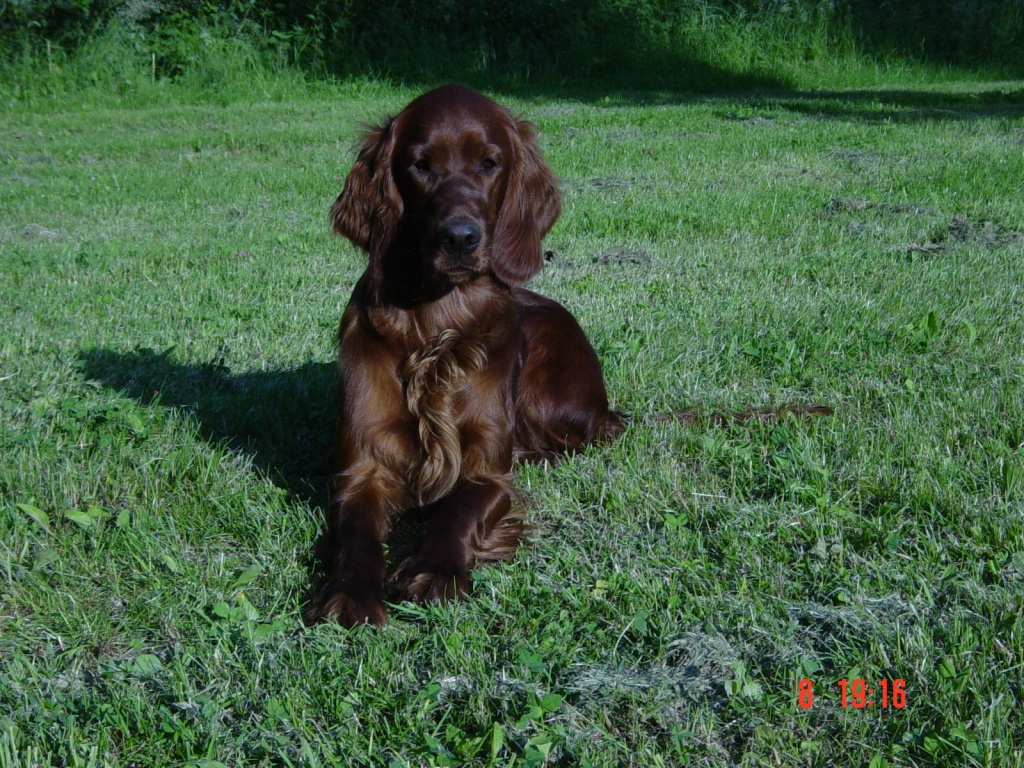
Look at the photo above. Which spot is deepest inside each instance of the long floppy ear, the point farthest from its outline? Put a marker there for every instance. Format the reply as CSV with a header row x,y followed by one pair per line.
x,y
369,207
531,206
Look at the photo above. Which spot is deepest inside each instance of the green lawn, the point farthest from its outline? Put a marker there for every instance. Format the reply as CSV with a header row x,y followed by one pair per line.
x,y
168,301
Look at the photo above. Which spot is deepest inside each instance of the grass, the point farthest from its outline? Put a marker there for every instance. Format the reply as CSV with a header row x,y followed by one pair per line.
x,y
169,299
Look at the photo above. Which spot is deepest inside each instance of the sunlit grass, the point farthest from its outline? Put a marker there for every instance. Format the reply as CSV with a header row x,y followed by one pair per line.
x,y
169,299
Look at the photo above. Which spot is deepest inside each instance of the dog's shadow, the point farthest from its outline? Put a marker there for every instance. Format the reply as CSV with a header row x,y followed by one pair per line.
x,y
282,418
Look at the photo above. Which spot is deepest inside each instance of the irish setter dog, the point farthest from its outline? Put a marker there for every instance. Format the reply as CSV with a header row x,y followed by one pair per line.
x,y
449,368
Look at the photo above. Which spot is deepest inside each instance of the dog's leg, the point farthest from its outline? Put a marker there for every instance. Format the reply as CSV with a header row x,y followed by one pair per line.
x,y
353,591
476,522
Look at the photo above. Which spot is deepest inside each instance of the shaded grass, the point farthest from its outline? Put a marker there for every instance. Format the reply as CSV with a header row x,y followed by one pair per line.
x,y
170,298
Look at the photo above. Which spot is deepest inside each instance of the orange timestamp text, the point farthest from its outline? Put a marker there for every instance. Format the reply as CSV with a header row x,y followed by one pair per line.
x,y
886,694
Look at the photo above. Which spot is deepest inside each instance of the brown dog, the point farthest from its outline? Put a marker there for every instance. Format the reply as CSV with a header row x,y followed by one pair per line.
x,y
449,368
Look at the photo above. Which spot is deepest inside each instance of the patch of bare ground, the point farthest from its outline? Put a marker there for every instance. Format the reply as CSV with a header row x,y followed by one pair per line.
x,y
958,230
621,256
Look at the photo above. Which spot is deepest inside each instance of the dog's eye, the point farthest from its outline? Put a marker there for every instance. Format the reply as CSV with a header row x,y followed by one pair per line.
x,y
422,165
488,165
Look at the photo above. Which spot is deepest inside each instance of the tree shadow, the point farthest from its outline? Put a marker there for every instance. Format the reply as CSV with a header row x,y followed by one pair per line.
x,y
549,48
282,419
997,102
711,85
608,49
664,80
984,102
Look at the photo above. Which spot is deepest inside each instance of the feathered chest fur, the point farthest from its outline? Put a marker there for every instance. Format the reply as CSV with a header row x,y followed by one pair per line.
x,y
431,377
453,343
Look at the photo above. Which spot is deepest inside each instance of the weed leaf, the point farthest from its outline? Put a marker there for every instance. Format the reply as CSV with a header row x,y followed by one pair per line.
x,y
38,515
246,577
80,518
497,741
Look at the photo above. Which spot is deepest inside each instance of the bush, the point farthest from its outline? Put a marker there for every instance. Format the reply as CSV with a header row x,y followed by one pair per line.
x,y
135,47
691,44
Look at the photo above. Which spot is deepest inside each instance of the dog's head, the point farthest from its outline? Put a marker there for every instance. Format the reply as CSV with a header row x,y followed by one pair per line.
x,y
451,188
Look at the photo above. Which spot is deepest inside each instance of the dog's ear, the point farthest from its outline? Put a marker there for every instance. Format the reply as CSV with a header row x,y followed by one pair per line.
x,y
531,206
369,207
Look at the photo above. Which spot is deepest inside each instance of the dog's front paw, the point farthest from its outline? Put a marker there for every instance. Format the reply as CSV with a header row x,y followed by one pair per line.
x,y
424,583
349,606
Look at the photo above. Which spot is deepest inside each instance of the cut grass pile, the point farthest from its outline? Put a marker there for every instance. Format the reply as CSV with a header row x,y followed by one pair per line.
x,y
168,304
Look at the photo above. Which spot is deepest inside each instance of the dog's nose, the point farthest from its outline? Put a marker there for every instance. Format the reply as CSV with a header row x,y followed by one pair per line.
x,y
460,237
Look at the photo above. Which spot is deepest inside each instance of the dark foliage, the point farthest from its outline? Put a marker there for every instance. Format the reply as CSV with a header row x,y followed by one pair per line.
x,y
642,42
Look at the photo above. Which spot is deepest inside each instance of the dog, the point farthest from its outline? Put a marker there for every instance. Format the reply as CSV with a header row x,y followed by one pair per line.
x,y
449,368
